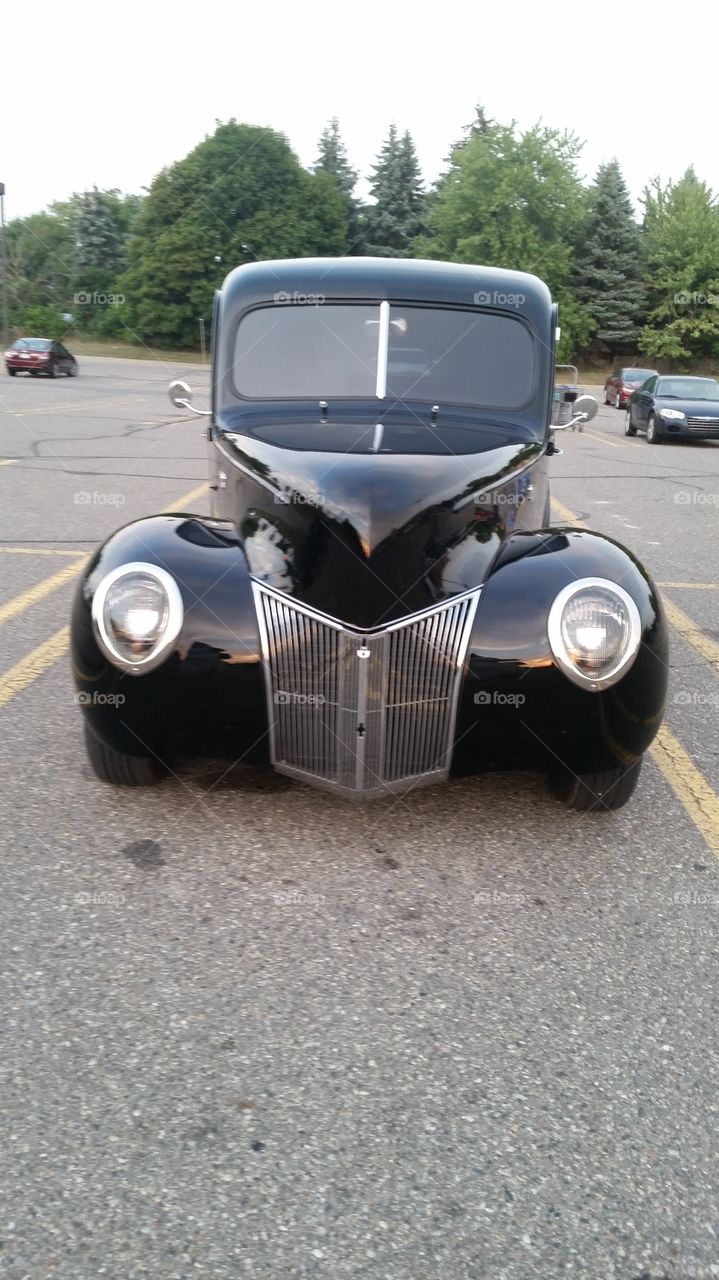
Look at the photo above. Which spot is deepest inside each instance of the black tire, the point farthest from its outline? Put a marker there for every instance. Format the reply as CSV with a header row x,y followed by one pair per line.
x,y
117,768
72,372
629,428
653,435
54,371
12,372
617,401
598,792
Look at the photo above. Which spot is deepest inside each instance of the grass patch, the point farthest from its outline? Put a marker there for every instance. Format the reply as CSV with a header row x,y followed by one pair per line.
x,y
128,351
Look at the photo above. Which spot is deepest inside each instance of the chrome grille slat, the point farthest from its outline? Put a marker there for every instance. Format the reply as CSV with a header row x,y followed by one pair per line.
x,y
363,713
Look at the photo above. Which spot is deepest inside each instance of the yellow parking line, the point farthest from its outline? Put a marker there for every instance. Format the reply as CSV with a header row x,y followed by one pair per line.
x,y
7,462
567,515
20,603
693,634
187,498
40,589
39,551
689,785
28,669
602,439
693,586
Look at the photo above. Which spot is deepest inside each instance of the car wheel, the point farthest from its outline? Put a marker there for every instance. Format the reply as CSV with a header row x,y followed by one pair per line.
x,y
12,372
653,436
601,792
53,370
617,401
118,769
72,371
629,428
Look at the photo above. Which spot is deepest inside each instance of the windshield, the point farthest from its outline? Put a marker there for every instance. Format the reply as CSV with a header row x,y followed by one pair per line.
x,y
637,375
32,344
689,388
324,351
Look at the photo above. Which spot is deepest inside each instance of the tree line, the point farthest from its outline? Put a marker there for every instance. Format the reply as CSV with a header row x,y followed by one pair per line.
x,y
144,268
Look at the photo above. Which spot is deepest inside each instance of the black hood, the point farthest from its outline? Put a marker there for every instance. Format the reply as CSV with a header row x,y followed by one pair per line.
x,y
372,537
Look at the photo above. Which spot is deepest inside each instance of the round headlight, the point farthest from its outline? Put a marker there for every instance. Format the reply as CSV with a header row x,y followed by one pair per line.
x,y
137,611
594,632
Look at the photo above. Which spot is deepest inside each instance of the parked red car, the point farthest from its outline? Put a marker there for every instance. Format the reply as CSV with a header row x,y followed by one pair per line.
x,y
622,384
40,355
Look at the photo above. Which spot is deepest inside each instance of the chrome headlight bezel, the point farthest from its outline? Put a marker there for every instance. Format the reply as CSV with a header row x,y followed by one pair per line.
x,y
173,626
556,639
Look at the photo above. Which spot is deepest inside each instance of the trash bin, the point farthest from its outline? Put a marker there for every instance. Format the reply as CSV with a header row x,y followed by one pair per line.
x,y
563,406
565,393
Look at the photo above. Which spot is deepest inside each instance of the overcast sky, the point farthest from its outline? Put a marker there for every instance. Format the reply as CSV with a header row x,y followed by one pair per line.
x,y
108,96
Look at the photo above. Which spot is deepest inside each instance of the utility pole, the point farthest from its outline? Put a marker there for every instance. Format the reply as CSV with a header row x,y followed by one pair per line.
x,y
3,250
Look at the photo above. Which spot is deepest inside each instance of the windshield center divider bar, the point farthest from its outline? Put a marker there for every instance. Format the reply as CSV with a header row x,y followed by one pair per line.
x,y
382,350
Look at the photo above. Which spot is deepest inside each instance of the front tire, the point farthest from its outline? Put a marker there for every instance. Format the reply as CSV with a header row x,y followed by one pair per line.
x,y
597,792
617,401
118,769
653,436
11,373
629,428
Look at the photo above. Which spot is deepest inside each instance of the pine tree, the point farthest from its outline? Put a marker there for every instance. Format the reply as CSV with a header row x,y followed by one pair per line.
x,y
608,262
395,218
333,160
681,244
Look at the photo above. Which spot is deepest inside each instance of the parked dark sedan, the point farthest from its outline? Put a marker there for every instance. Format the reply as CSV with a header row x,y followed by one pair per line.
x,y
40,355
675,407
378,599
622,384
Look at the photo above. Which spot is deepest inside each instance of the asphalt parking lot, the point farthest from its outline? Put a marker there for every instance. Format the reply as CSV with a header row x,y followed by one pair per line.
x,y
250,1030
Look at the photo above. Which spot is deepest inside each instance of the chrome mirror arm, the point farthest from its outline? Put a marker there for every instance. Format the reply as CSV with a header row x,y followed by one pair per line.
x,y
186,404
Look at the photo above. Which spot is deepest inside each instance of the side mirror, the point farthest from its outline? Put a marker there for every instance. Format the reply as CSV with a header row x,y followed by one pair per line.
x,y
180,394
585,408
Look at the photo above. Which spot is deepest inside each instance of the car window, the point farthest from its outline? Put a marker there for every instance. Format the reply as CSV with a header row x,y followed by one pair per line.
x,y
637,376
689,388
433,354
649,385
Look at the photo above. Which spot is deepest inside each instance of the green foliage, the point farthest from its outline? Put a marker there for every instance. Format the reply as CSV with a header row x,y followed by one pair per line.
x,y
507,199
514,201
333,161
40,260
608,271
681,244
39,322
241,194
395,218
